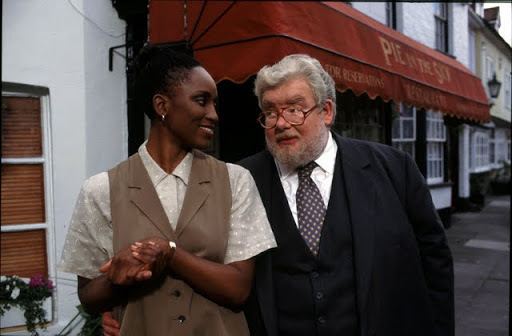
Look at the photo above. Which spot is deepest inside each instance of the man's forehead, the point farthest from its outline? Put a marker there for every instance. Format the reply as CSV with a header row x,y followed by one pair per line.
x,y
292,91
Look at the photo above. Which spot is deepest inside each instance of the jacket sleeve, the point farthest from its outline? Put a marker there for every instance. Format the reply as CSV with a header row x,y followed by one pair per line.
x,y
435,253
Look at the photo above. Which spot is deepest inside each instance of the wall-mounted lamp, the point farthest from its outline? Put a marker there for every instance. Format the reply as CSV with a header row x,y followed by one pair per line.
x,y
494,86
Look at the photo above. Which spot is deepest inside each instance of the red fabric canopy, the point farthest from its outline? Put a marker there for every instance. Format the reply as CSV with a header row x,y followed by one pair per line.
x,y
233,40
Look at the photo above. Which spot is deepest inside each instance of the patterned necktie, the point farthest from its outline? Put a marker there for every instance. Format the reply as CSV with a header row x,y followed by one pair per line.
x,y
310,208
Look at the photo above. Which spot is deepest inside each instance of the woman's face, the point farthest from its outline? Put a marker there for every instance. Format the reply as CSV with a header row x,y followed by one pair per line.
x,y
191,116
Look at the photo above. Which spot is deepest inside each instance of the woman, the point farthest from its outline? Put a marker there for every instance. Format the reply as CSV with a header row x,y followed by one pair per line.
x,y
174,245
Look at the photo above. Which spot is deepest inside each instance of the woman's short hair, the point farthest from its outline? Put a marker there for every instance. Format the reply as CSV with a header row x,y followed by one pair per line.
x,y
159,69
293,66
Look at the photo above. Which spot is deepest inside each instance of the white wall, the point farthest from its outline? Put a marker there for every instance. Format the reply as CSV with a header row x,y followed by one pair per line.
x,y
375,10
50,44
418,22
460,32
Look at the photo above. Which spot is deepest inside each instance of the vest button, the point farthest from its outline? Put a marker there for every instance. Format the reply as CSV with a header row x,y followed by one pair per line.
x,y
319,295
181,319
315,275
321,320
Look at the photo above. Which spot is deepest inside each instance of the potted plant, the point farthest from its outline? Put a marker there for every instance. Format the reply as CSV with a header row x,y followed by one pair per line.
x,y
28,297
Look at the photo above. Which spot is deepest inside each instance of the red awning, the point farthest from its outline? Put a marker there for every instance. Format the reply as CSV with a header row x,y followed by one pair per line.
x,y
233,40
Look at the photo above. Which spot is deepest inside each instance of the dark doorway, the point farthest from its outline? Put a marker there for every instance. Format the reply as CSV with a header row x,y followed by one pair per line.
x,y
239,133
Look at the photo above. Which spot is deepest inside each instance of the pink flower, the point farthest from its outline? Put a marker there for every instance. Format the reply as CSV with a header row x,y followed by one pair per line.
x,y
40,281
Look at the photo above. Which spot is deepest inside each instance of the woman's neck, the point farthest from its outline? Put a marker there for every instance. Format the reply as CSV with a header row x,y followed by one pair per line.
x,y
164,149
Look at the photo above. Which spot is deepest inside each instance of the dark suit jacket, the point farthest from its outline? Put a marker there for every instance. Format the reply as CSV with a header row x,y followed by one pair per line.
x,y
403,265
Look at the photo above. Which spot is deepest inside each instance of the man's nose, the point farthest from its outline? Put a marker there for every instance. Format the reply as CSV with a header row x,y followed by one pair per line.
x,y
281,122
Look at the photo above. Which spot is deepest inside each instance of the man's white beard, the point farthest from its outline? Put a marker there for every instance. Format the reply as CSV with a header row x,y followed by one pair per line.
x,y
308,150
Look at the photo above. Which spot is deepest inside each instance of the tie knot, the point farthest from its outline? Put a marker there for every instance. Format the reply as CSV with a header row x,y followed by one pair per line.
x,y
305,171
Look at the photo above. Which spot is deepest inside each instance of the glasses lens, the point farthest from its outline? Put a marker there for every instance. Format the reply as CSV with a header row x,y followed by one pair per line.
x,y
267,119
293,115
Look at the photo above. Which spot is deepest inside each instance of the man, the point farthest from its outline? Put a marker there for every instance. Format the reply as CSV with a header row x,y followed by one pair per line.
x,y
361,249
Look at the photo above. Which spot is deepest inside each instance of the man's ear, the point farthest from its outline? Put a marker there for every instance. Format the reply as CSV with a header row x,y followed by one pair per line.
x,y
328,112
161,104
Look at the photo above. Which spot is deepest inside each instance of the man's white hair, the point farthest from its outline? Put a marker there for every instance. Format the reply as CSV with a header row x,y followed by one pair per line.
x,y
297,66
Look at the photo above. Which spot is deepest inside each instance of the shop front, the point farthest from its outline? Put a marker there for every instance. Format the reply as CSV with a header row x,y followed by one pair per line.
x,y
391,89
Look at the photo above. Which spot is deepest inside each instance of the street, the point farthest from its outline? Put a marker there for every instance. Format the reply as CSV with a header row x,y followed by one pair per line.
x,y
481,252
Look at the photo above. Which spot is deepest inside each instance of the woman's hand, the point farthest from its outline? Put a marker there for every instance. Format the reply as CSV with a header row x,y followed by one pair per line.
x,y
124,269
155,253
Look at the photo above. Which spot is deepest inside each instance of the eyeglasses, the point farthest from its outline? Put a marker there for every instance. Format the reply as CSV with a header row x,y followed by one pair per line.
x,y
294,115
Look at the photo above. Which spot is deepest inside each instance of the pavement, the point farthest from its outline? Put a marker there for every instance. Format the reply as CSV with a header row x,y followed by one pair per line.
x,y
480,244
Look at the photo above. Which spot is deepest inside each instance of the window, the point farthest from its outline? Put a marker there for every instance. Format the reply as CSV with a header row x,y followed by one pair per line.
x,y
508,151
492,148
359,117
479,152
472,51
436,138
501,151
403,133
441,18
490,68
507,94
391,14
26,238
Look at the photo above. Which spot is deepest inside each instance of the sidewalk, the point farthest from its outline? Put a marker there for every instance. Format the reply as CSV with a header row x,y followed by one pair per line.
x,y
481,251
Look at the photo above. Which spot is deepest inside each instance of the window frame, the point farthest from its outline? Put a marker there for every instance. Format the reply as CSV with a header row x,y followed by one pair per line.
x,y
479,152
435,138
390,8
507,90
441,18
43,94
400,141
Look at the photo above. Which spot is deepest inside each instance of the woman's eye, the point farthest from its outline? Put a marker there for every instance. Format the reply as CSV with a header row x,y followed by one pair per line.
x,y
201,101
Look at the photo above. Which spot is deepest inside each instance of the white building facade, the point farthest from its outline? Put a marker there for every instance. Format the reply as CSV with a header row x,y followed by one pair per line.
x,y
443,27
56,59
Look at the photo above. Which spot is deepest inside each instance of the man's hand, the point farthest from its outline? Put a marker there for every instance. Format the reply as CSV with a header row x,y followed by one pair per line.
x,y
109,324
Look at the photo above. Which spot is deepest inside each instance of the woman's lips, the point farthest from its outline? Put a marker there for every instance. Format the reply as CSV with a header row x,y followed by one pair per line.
x,y
209,130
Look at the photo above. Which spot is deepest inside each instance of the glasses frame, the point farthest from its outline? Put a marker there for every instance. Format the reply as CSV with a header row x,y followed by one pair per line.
x,y
261,117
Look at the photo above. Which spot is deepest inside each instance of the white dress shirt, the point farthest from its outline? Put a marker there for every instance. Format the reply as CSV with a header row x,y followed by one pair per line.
x,y
321,175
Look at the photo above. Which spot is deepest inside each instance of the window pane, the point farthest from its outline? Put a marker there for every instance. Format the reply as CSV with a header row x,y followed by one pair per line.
x,y
21,127
24,253
22,194
408,129
395,130
408,111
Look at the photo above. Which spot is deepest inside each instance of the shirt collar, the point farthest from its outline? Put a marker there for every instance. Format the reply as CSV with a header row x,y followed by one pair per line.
x,y
325,161
157,174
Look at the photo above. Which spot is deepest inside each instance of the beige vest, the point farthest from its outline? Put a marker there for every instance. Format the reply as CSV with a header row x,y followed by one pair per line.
x,y
169,306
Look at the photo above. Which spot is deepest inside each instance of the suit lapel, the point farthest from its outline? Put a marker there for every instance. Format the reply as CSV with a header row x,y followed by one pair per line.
x,y
197,191
361,196
268,184
144,196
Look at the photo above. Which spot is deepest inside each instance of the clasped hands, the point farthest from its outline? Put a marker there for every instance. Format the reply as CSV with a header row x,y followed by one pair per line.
x,y
139,262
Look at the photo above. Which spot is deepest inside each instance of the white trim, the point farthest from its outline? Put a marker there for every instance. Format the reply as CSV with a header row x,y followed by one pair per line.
x,y
24,227
481,169
435,180
35,160
48,193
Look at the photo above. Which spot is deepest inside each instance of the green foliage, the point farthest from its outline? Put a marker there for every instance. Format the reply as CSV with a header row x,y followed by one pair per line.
x,y
90,327
92,324
14,292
